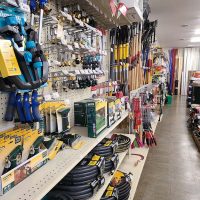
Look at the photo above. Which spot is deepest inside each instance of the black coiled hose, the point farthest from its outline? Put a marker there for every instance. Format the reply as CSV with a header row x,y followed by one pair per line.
x,y
107,149
124,143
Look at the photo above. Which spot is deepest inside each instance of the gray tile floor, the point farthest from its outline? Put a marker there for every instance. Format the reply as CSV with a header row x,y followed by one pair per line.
x,y
172,169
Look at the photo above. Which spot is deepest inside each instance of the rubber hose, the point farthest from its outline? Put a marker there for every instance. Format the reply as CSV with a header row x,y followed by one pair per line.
x,y
124,143
58,195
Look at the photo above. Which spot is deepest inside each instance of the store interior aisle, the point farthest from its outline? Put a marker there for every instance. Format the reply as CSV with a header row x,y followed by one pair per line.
x,y
172,169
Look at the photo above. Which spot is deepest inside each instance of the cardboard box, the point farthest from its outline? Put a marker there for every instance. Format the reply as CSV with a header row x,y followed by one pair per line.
x,y
91,113
96,117
111,112
80,113
22,171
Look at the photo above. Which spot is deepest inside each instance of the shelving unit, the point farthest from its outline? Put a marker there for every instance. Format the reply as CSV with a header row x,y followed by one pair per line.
x,y
129,161
37,185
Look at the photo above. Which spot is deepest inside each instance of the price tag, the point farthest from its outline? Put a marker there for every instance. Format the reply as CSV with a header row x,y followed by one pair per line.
x,y
76,20
77,71
67,101
55,95
47,97
81,23
90,71
65,72
76,45
87,71
73,56
69,17
70,47
82,71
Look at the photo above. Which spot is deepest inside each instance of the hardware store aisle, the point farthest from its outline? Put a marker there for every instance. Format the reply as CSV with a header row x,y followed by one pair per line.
x,y
172,169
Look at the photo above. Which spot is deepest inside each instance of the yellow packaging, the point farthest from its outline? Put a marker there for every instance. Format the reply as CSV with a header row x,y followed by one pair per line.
x,y
8,146
22,171
9,64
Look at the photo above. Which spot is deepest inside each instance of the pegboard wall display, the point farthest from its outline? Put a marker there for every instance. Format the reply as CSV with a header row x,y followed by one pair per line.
x,y
74,52
3,102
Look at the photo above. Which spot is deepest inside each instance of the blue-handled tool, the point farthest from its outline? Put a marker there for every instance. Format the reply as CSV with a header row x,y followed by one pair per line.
x,y
33,8
31,46
10,110
27,108
19,107
35,107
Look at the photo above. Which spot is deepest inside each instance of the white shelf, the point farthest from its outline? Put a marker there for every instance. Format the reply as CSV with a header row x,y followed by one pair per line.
x,y
108,177
129,164
37,185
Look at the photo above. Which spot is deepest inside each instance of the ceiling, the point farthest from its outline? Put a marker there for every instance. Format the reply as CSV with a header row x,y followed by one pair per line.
x,y
172,15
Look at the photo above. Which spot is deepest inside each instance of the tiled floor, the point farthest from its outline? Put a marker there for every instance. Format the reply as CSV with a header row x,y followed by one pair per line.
x,y
172,169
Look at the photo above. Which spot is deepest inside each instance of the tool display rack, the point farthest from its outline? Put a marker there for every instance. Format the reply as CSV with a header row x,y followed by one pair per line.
x,y
73,95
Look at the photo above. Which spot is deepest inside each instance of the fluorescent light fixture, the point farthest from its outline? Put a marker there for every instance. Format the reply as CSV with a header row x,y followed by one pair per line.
x,y
195,39
197,32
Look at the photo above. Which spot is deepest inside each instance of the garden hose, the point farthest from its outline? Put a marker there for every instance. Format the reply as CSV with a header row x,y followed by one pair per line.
x,y
119,188
111,193
86,171
124,143
106,148
81,192
124,186
111,163
58,195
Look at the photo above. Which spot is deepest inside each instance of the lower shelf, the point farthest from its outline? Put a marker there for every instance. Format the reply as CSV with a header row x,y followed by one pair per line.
x,y
128,164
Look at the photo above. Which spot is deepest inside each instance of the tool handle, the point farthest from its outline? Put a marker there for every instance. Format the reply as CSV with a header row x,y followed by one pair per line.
x,y
35,107
42,3
10,110
27,108
33,6
19,107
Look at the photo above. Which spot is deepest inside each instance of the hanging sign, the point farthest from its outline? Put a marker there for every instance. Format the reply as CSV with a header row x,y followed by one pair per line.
x,y
113,7
122,9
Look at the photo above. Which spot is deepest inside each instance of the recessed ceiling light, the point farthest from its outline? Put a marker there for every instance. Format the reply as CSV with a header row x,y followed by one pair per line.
x,y
195,39
182,39
184,25
197,32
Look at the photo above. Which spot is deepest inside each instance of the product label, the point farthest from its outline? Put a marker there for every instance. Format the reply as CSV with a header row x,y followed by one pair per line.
x,y
92,163
9,64
96,157
108,143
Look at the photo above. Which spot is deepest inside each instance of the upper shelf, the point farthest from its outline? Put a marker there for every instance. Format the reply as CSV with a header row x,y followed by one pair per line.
x,y
101,11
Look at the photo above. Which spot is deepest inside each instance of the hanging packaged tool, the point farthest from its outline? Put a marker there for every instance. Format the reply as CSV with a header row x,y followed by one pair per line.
x,y
11,155
24,65
56,117
27,109
35,107
11,107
